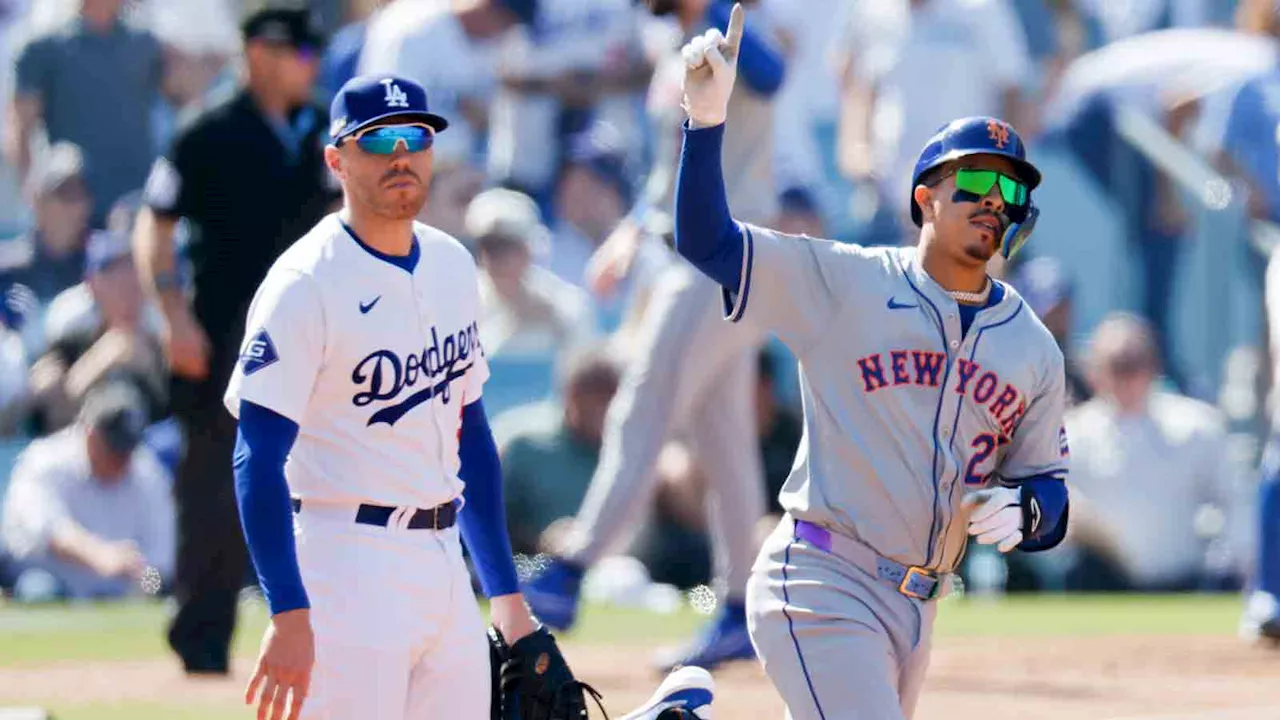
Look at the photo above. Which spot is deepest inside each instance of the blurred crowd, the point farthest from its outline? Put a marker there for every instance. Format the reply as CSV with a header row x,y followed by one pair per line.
x,y
557,172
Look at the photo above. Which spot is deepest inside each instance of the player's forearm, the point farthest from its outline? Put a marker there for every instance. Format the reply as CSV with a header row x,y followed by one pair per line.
x,y
705,233
263,440
483,520
155,258
70,542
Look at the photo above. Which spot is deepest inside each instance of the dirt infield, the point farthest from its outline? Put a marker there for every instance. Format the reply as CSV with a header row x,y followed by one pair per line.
x,y
1147,678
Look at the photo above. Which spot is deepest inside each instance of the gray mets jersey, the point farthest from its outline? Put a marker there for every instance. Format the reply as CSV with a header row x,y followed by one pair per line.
x,y
902,412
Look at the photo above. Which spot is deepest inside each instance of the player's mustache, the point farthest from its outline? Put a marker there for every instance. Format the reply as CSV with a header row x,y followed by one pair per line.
x,y
397,174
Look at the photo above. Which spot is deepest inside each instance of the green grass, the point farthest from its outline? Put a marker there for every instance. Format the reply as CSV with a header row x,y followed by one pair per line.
x,y
35,636
136,631
97,632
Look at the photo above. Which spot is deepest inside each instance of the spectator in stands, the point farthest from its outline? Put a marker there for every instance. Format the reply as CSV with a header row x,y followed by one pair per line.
x,y
1042,282
798,213
92,82
98,331
243,180
547,468
451,50
807,107
524,309
592,196
341,60
748,156
198,39
911,67
50,258
576,63
453,185
88,513
1145,465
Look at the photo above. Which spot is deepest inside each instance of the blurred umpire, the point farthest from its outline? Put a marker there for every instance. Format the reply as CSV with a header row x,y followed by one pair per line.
x,y
242,180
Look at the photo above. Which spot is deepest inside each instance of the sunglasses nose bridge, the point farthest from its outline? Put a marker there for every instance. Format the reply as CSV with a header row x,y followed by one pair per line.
x,y
994,200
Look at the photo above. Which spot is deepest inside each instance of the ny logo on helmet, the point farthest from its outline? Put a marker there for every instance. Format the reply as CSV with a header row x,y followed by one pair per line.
x,y
999,132
395,96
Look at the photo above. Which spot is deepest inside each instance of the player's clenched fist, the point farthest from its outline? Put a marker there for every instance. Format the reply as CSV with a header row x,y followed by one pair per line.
x,y
996,516
711,66
284,666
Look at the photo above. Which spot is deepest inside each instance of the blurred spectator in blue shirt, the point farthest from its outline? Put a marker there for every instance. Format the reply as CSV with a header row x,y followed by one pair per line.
x,y
92,81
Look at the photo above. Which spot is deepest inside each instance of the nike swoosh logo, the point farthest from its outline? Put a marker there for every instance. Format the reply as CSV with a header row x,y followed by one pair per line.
x,y
895,305
366,307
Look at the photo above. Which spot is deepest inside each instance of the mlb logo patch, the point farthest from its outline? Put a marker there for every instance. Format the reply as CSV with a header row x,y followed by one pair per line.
x,y
1063,450
258,353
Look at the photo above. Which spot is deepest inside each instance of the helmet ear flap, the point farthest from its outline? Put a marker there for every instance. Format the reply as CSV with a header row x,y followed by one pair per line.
x,y
1018,233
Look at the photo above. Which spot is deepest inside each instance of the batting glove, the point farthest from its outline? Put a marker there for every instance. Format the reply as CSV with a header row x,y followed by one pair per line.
x,y
996,516
711,67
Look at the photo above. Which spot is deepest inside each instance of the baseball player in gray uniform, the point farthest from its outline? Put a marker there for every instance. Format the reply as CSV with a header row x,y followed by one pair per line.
x,y
691,373
933,403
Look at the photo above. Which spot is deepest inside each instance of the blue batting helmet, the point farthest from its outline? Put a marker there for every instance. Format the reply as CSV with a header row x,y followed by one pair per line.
x,y
972,136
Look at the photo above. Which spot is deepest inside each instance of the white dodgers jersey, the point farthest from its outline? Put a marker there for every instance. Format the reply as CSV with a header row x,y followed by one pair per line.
x,y
372,360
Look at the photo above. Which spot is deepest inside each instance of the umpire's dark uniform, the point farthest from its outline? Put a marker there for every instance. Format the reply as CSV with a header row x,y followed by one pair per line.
x,y
245,190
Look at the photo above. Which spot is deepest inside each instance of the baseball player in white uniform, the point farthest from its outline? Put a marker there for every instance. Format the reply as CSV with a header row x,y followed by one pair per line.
x,y
933,403
363,457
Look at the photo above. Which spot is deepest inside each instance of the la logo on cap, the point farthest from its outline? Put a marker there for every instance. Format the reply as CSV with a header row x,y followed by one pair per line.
x,y
395,96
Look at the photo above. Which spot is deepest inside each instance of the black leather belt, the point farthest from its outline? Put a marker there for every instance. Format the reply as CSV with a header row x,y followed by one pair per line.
x,y
439,517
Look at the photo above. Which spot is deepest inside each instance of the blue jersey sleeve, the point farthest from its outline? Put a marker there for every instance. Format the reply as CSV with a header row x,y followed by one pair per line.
x,y
263,440
483,519
705,233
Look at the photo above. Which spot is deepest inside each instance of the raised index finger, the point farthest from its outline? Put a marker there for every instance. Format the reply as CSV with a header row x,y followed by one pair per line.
x,y
733,37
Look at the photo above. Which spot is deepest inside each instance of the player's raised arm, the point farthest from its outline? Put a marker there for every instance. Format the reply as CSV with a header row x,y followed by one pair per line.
x,y
799,285
705,232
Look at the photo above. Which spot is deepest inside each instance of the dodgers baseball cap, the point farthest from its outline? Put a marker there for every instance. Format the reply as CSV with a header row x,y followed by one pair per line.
x,y
117,413
368,99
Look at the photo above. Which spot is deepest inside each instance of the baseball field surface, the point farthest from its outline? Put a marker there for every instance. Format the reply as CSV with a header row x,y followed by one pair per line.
x,y
1128,658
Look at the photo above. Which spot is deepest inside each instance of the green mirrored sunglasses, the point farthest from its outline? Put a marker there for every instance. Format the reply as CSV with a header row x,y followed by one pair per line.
x,y
1014,192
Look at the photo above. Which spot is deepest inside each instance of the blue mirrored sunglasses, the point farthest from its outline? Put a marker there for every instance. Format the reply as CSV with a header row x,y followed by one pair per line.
x,y
385,139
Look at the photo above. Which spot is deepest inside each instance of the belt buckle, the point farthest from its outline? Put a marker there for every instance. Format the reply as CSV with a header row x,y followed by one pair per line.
x,y
435,518
912,573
